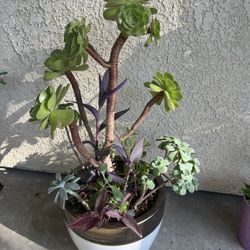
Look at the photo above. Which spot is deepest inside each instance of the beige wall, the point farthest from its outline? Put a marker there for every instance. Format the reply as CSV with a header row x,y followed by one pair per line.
x,y
204,43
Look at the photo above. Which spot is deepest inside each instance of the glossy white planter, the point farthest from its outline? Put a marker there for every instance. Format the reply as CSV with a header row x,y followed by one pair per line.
x,y
116,236
143,244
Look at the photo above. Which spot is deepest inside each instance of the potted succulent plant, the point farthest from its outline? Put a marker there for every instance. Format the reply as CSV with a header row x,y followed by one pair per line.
x,y
244,232
117,200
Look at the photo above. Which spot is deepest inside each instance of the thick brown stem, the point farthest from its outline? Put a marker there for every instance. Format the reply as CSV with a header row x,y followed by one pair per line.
x,y
79,101
111,104
91,50
80,147
143,116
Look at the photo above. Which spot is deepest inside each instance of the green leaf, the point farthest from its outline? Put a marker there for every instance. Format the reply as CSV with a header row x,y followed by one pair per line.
x,y
155,88
117,193
50,75
149,41
43,112
44,124
102,168
168,102
176,94
53,123
172,156
62,93
43,95
52,102
182,192
110,14
65,116
82,67
150,184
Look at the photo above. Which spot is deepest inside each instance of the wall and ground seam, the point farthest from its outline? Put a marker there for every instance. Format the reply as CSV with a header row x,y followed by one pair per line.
x,y
205,44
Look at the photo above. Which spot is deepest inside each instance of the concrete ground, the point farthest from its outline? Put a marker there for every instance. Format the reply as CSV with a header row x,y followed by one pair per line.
x,y
29,220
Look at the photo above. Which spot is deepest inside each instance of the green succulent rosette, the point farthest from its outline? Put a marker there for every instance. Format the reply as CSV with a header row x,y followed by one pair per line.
x,y
74,56
76,39
166,84
132,20
113,7
49,112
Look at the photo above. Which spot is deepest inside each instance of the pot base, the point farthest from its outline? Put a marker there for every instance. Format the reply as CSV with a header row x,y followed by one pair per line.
x,y
142,244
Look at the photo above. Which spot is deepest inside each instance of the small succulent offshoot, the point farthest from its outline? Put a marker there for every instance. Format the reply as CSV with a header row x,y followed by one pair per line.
x,y
2,73
246,192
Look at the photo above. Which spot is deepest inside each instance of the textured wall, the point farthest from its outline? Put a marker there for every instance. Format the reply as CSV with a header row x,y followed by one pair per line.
x,y
204,43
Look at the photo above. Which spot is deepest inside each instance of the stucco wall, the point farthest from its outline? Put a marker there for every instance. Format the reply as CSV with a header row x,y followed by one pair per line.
x,y
204,43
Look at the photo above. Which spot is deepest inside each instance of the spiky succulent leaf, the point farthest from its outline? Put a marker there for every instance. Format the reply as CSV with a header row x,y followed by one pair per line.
x,y
166,84
66,186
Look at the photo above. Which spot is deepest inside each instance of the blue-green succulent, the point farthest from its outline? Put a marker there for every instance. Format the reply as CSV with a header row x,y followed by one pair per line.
x,y
66,186
159,166
186,166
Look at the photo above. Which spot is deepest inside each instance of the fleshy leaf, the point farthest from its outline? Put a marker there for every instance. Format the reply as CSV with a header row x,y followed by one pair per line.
x,y
117,193
65,116
61,92
50,75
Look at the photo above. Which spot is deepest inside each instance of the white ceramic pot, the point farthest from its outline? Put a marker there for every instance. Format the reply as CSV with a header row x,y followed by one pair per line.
x,y
143,244
115,236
